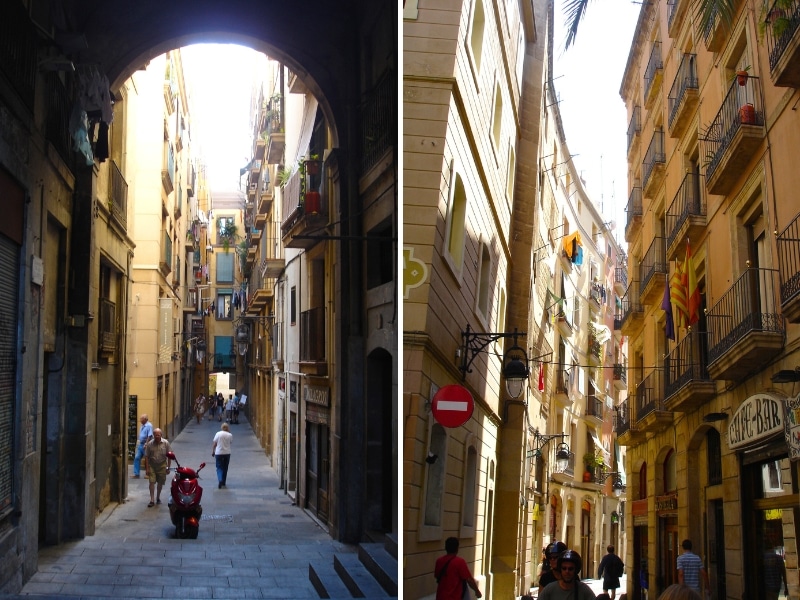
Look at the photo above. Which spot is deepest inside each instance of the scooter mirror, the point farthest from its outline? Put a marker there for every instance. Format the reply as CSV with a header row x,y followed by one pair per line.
x,y
171,455
201,466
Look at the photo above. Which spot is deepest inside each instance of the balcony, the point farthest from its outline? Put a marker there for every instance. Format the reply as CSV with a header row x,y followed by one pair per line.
x,y
653,272
597,295
783,42
628,432
594,406
621,274
265,200
634,212
653,166
377,110
168,173
165,264
788,244
118,196
653,75
687,385
716,33
686,216
620,377
107,330
312,342
563,392
651,414
683,95
564,324
734,137
302,228
632,310
676,9
594,347
274,132
634,128
745,329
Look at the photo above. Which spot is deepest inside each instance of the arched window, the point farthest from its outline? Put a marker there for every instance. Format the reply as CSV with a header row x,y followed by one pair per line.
x,y
484,281
469,491
456,224
476,36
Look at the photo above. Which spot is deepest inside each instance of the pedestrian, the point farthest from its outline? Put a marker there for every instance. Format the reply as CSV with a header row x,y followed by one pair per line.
x,y
157,464
229,409
212,406
220,406
221,451
452,579
610,570
550,572
199,407
236,408
145,435
569,587
679,591
774,574
691,569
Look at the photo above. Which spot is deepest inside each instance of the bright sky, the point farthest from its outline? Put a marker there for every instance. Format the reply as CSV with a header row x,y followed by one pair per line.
x,y
220,79
588,78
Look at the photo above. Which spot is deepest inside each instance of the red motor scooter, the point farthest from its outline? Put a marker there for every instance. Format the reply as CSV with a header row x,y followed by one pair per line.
x,y
184,501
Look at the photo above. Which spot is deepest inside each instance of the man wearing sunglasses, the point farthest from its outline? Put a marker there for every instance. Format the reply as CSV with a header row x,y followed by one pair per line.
x,y
569,587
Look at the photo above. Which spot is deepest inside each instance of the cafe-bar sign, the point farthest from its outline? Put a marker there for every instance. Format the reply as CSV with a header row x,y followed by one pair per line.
x,y
759,417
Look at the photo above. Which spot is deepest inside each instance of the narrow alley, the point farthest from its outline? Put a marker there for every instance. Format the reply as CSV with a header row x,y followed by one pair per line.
x,y
253,541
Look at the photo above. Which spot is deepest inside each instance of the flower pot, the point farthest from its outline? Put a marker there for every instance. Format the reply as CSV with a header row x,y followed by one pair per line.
x,y
312,203
741,77
313,167
747,114
587,476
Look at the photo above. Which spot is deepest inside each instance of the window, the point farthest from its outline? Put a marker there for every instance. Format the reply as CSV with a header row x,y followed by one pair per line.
x,y
293,306
521,58
497,119
510,171
410,10
476,36
469,492
224,267
224,304
380,255
484,281
456,224
226,229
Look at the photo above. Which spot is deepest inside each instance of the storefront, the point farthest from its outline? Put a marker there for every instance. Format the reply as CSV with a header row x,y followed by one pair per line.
x,y
770,486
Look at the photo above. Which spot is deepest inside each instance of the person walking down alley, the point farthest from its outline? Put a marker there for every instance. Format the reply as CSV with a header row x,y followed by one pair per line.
x,y
229,409
145,435
610,570
221,451
199,407
569,587
691,569
158,464
220,406
452,574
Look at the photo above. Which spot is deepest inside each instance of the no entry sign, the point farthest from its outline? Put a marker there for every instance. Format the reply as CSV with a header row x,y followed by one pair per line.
x,y
452,405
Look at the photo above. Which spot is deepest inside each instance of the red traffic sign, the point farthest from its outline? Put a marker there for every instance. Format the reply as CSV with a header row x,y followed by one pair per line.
x,y
452,405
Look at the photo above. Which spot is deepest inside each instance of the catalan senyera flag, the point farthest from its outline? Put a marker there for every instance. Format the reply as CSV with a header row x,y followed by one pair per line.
x,y
677,294
669,323
693,299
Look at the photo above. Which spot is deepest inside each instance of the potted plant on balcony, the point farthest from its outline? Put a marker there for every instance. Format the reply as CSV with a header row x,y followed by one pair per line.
x,y
591,461
776,17
742,75
311,197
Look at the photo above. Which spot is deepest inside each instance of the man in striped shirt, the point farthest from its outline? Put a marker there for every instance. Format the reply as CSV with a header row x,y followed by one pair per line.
x,y
691,569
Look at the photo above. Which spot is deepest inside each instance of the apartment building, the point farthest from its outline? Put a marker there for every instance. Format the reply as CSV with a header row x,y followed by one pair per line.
x,y
160,191
712,232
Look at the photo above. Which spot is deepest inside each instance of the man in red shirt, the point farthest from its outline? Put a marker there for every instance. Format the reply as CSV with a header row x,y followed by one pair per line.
x,y
452,574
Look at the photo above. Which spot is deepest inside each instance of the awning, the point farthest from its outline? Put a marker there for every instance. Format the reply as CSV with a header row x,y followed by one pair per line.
x,y
597,444
618,466
307,127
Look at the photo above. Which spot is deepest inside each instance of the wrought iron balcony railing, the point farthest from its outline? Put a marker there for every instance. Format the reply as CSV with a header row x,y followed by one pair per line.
x,y
654,64
686,362
631,302
788,244
377,123
655,156
634,208
688,202
650,395
623,417
620,373
749,305
118,195
780,25
685,79
654,261
634,125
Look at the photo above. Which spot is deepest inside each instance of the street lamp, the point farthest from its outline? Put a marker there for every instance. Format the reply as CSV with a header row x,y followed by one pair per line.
x,y
617,486
515,370
562,449
243,331
786,376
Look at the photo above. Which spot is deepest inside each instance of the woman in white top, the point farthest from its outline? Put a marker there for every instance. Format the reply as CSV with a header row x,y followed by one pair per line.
x,y
221,451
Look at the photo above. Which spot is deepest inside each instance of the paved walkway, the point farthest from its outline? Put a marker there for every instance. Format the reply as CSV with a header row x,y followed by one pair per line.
x,y
253,542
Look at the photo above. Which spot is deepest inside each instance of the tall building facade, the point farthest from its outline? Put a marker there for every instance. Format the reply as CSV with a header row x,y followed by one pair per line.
x,y
711,226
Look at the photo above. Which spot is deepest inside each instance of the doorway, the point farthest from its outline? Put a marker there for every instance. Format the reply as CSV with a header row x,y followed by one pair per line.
x,y
318,448
669,552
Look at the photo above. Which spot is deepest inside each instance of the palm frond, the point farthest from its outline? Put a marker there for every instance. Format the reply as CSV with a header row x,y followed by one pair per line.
x,y
574,11
708,11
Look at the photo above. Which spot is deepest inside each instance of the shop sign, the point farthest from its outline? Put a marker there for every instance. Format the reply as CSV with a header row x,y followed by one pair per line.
x,y
792,431
667,503
759,417
317,395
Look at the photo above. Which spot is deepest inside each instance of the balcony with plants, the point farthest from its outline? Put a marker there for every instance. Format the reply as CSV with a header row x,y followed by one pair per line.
x,y
632,310
274,131
652,415
634,213
788,244
654,165
653,271
778,25
305,203
653,75
620,376
732,139
684,94
687,384
745,328
686,216
594,347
